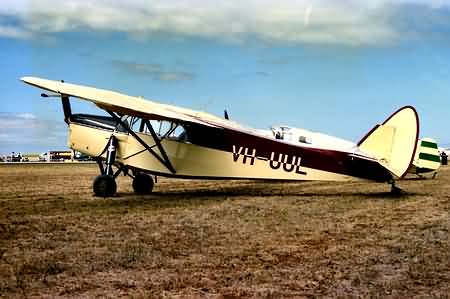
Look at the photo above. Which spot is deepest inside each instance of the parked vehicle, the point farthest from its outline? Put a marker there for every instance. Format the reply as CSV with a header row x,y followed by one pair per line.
x,y
53,156
14,157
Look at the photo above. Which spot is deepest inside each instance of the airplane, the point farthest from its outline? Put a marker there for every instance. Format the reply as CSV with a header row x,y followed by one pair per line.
x,y
427,158
142,138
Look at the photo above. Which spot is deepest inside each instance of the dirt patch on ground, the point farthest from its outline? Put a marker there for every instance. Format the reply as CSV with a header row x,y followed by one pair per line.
x,y
220,239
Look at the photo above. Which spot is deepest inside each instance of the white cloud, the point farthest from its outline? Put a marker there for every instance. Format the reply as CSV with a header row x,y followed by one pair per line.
x,y
14,32
302,21
24,121
156,71
20,131
26,115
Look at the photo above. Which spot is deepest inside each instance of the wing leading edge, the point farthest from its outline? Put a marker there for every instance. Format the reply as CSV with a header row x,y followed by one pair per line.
x,y
136,106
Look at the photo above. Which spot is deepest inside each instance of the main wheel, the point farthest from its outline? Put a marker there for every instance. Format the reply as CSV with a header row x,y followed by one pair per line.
x,y
104,186
143,183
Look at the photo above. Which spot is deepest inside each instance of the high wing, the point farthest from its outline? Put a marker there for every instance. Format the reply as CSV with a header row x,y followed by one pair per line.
x,y
129,105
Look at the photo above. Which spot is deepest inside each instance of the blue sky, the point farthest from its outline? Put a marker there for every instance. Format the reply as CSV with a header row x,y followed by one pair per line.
x,y
337,67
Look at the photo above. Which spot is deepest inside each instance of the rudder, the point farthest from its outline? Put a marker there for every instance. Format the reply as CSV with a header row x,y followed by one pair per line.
x,y
394,142
427,157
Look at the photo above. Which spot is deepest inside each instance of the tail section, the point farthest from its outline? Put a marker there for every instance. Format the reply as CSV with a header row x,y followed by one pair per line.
x,y
427,158
394,142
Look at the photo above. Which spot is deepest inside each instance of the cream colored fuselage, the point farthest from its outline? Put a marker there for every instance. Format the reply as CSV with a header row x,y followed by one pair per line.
x,y
190,160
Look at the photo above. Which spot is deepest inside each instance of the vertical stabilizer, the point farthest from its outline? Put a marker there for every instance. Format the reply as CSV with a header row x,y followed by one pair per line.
x,y
427,158
393,143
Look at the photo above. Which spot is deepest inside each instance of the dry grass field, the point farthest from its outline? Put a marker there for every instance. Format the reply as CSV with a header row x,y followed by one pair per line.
x,y
220,239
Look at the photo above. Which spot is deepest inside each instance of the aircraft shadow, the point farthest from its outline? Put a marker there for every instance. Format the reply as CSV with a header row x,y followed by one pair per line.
x,y
198,198
418,178
235,193
204,196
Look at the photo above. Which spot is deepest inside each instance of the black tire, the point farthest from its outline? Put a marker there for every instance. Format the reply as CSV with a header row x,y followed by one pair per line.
x,y
143,183
104,186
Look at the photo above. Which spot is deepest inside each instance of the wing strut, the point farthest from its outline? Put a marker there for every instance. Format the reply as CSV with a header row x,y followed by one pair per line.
x,y
66,108
164,160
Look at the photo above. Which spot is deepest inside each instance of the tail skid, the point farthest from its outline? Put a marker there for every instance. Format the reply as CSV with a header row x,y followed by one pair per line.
x,y
394,142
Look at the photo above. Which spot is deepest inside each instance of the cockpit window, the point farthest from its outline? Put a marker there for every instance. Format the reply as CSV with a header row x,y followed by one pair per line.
x,y
304,139
163,128
179,133
130,122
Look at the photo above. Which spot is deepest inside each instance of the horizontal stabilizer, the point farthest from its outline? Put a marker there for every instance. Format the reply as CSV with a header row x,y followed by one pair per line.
x,y
393,143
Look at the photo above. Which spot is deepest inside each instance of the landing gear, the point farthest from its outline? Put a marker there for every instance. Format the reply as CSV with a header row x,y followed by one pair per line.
x,y
395,191
104,186
143,183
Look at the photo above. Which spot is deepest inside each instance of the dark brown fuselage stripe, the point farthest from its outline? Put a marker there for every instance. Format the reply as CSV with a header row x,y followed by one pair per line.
x,y
320,159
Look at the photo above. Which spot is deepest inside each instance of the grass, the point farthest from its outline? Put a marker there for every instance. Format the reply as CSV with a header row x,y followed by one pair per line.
x,y
220,239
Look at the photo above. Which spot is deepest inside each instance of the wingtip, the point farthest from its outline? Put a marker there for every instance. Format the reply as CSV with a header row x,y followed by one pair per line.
x,y
26,79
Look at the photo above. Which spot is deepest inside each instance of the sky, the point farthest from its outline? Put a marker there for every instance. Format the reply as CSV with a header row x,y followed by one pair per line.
x,y
336,67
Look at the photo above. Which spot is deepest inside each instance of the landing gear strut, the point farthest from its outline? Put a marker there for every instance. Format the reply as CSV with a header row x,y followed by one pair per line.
x,y
395,191
105,184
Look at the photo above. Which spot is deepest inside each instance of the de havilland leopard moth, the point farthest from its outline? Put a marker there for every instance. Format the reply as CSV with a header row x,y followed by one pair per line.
x,y
145,139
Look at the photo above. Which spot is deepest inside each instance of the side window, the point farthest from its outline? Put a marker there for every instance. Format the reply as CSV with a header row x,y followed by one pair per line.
x,y
135,123
161,128
179,133
128,121
165,129
155,125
